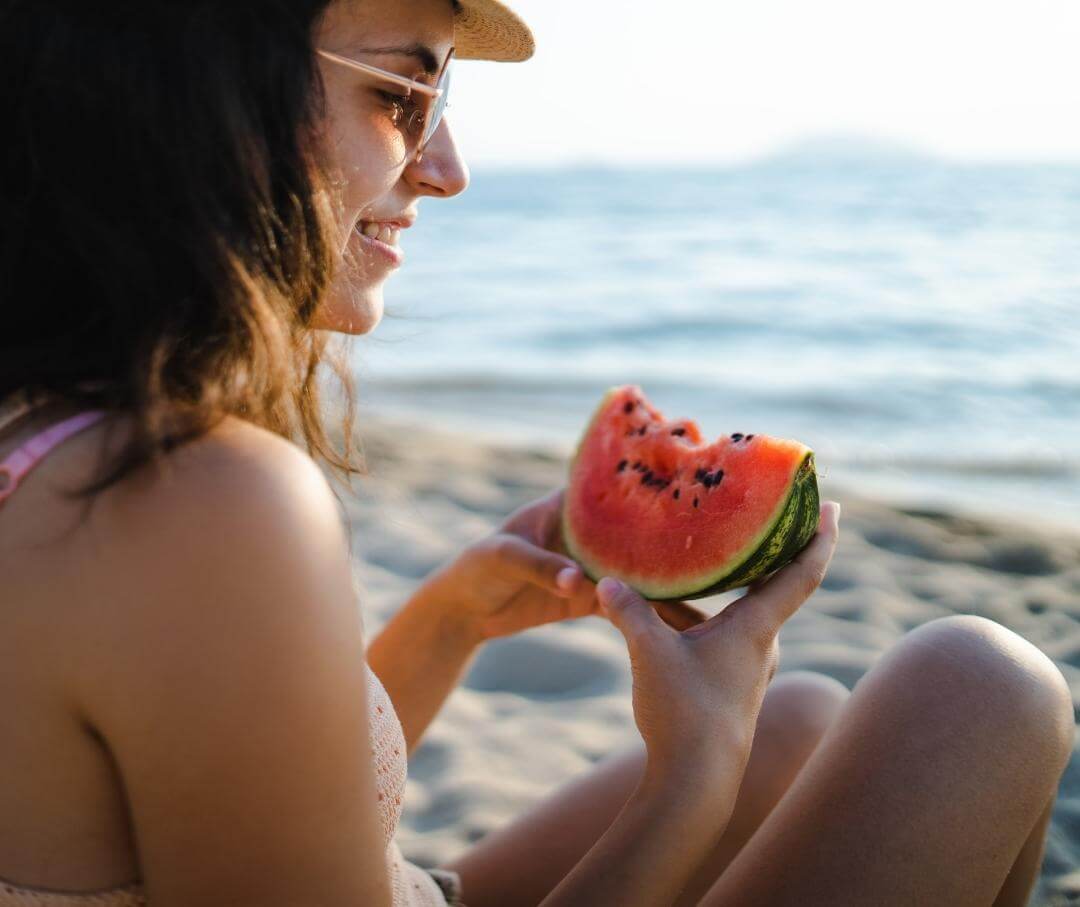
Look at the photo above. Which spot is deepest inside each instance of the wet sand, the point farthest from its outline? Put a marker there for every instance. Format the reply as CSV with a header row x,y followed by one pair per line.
x,y
538,709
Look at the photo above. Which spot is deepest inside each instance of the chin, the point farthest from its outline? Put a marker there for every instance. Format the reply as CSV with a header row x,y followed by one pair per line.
x,y
356,310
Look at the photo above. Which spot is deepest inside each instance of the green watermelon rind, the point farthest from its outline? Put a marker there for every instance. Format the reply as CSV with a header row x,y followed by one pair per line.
x,y
787,535
793,525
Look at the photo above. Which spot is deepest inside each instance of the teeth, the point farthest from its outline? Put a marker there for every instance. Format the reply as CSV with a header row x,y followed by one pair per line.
x,y
386,233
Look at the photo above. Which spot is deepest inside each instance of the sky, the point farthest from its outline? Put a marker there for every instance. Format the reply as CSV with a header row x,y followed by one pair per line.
x,y
625,81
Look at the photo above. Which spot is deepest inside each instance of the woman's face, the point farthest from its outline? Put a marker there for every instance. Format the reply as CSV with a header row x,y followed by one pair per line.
x,y
372,155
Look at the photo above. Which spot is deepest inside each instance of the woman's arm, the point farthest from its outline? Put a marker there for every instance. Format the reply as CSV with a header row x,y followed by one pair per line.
x,y
512,580
660,838
420,656
222,664
697,694
517,578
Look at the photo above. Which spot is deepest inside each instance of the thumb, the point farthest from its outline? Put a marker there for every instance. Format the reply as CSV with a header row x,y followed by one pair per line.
x,y
629,612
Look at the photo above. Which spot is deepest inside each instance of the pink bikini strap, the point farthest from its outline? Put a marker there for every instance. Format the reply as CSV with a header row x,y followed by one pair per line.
x,y
24,458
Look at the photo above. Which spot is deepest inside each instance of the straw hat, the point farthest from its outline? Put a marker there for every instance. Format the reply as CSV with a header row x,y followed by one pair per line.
x,y
488,30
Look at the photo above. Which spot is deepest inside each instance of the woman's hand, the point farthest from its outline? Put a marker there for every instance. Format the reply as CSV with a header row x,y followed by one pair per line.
x,y
698,692
521,577
516,578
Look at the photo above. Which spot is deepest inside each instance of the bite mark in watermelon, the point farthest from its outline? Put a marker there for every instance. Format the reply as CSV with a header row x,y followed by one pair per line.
x,y
651,503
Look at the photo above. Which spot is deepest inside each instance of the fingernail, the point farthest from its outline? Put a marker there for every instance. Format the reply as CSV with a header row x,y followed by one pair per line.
x,y
566,578
607,589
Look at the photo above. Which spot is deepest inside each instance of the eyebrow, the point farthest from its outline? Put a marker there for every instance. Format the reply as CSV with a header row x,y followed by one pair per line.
x,y
421,52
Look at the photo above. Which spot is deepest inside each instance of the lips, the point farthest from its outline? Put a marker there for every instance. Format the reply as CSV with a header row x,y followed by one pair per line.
x,y
381,237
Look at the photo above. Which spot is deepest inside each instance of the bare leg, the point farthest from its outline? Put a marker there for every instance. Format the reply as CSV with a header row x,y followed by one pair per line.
x,y
928,788
520,864
1018,886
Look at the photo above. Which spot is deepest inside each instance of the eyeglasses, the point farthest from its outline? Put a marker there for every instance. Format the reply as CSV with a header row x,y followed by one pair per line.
x,y
420,120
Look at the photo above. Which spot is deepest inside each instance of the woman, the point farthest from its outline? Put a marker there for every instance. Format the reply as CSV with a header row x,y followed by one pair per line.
x,y
194,194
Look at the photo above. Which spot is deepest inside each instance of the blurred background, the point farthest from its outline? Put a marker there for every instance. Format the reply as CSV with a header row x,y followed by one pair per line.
x,y
852,224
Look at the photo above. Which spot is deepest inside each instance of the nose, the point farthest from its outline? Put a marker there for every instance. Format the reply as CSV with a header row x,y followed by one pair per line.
x,y
441,171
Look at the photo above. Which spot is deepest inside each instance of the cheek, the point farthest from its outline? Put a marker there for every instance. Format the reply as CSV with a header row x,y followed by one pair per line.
x,y
369,153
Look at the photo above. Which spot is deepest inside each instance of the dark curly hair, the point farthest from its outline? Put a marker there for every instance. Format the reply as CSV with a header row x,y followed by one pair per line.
x,y
165,234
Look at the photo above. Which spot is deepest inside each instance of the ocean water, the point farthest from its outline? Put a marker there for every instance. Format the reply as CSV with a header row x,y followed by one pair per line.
x,y
916,322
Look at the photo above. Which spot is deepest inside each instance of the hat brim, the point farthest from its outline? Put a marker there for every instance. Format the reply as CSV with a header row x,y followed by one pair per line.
x,y
488,30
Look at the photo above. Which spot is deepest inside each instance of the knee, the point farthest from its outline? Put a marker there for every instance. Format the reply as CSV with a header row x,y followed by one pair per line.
x,y
975,677
798,709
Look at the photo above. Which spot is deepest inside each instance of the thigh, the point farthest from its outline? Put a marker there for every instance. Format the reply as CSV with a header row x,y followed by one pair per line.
x,y
926,788
522,863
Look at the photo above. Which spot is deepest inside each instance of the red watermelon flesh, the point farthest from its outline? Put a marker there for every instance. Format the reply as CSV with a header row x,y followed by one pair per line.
x,y
652,503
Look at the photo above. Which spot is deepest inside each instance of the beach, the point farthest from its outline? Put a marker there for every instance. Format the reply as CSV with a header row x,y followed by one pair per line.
x,y
539,709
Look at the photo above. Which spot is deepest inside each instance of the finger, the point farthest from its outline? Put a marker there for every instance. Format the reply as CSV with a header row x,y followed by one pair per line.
x,y
680,615
537,520
629,612
583,602
525,561
775,600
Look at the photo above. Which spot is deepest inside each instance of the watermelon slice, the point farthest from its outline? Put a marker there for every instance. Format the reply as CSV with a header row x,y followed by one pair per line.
x,y
651,503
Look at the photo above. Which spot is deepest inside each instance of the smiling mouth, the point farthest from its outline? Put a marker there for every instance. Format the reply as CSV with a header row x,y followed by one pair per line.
x,y
384,233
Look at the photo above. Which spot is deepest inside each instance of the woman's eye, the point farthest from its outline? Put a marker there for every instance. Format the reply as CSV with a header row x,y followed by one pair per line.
x,y
398,103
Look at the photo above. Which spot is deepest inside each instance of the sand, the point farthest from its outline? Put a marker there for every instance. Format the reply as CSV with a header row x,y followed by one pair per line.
x,y
537,709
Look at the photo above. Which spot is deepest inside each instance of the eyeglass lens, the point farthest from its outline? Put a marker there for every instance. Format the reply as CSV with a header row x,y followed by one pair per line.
x,y
437,110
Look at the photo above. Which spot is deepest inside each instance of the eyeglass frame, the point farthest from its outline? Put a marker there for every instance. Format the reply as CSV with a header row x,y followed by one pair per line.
x,y
433,92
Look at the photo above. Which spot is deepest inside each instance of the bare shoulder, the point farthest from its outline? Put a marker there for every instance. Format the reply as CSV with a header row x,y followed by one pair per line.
x,y
227,677
234,546
237,472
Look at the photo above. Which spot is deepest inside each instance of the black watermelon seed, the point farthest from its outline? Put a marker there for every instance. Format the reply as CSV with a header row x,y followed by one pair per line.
x,y
700,474
736,437
749,437
645,479
717,476
678,432
637,463
621,466
629,407
676,494
641,431
695,502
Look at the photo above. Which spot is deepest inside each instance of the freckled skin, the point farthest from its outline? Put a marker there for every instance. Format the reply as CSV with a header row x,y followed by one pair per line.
x,y
372,168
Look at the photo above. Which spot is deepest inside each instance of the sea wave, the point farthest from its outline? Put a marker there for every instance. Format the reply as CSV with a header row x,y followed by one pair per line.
x,y
1050,467
900,397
